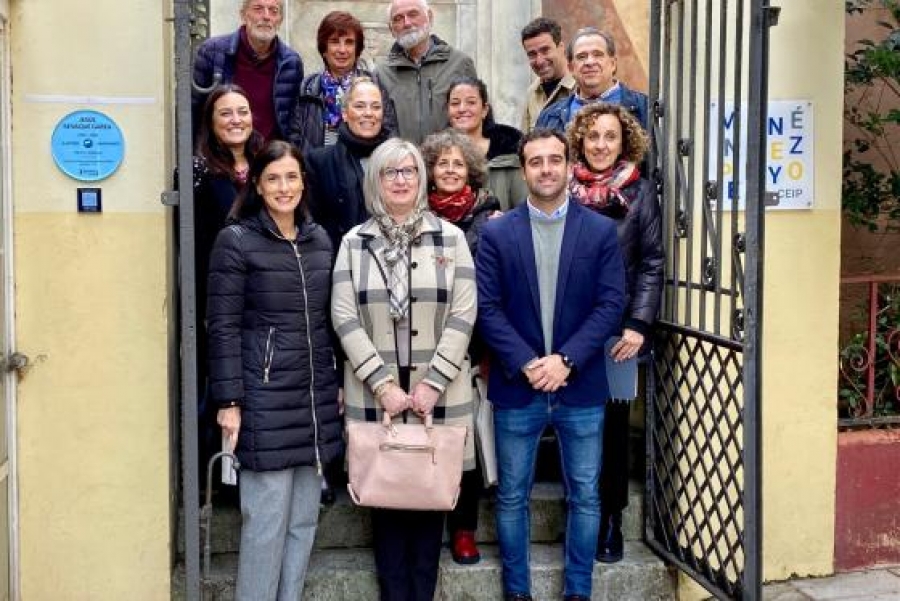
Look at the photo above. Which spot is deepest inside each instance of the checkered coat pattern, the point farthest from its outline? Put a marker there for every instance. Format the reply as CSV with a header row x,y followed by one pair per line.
x,y
442,314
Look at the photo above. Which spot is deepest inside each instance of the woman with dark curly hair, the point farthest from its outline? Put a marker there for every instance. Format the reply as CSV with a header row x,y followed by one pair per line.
x,y
607,145
457,174
456,193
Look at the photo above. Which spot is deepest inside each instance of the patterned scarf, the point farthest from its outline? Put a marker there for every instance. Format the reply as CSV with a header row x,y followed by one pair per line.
x,y
453,207
602,192
399,237
333,90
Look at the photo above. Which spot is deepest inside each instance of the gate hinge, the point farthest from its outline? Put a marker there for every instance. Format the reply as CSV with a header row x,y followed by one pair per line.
x,y
170,198
771,15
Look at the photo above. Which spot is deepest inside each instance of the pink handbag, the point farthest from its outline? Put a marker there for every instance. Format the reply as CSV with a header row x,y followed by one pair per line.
x,y
405,466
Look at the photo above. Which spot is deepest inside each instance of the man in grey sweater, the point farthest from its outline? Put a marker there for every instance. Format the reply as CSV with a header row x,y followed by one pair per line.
x,y
551,291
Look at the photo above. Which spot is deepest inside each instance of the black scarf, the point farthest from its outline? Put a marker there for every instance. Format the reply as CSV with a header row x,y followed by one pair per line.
x,y
360,147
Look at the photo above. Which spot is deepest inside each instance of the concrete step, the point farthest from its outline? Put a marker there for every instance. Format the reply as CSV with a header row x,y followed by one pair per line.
x,y
349,574
343,525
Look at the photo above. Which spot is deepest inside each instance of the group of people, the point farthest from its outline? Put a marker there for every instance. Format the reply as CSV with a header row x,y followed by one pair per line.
x,y
368,238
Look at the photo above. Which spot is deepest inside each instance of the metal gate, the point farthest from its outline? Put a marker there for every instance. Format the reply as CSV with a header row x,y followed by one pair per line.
x,y
708,88
191,26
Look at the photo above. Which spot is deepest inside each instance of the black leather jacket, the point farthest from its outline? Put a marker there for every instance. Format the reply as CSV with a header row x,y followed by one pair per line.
x,y
640,238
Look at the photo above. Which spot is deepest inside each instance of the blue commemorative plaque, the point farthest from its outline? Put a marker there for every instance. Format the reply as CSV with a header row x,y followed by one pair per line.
x,y
87,146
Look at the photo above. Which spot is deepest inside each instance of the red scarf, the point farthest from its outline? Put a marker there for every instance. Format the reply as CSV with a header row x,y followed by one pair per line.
x,y
602,192
453,207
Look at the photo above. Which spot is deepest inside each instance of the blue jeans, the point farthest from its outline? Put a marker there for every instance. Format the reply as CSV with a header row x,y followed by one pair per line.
x,y
579,431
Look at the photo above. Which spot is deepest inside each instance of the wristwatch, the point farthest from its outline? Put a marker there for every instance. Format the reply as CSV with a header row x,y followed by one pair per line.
x,y
567,361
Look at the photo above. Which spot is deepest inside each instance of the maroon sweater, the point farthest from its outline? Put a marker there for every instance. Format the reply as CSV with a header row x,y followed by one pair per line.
x,y
257,76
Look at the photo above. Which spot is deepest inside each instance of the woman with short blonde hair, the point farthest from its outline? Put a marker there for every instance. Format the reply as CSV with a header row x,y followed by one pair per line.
x,y
404,305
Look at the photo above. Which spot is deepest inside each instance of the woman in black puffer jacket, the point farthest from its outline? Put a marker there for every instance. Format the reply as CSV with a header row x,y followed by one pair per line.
x,y
607,144
272,369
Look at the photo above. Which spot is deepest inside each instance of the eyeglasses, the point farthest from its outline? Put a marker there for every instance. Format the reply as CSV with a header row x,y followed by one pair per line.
x,y
408,173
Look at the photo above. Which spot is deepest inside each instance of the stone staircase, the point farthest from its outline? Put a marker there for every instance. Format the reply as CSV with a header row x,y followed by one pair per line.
x,y
342,566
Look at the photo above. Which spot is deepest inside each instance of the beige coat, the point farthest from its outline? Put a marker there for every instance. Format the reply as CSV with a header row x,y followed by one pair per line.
x,y
536,100
442,314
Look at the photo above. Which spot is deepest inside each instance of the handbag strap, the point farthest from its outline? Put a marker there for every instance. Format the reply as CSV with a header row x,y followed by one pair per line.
x,y
353,495
387,423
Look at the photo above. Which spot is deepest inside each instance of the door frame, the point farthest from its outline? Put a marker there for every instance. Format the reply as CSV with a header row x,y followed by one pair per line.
x,y
8,291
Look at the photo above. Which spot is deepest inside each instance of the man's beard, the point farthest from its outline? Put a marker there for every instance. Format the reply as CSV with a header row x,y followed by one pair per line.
x,y
413,38
262,36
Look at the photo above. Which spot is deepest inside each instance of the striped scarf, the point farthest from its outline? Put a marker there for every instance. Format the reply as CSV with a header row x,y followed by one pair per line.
x,y
399,238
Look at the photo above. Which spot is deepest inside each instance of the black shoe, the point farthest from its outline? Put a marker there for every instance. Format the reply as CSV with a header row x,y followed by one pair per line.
x,y
517,597
576,598
610,547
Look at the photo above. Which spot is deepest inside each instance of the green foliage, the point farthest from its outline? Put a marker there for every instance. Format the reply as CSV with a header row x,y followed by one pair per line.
x,y
871,195
855,358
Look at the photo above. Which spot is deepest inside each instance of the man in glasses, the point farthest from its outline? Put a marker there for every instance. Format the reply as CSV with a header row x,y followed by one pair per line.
x,y
418,70
257,60
593,63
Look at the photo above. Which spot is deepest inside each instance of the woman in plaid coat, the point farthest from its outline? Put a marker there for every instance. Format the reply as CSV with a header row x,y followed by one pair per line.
x,y
403,305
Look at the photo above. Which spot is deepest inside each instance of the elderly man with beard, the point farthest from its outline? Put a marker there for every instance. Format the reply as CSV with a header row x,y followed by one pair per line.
x,y
254,58
418,70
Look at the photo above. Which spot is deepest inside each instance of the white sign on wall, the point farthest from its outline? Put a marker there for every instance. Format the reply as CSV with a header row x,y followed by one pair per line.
x,y
790,165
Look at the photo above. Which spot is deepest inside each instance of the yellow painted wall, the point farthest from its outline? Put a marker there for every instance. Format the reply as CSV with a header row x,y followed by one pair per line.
x,y
93,443
802,270
801,313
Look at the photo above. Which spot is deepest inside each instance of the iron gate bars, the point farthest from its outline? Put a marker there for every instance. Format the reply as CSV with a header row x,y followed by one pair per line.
x,y
708,88
191,24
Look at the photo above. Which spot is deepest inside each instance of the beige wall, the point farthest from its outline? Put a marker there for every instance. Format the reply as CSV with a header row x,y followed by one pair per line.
x,y
801,312
90,312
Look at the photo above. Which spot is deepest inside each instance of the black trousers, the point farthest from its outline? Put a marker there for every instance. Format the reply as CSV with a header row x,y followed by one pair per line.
x,y
407,552
614,470
465,515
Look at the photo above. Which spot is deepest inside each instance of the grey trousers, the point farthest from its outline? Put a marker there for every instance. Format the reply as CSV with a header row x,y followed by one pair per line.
x,y
280,511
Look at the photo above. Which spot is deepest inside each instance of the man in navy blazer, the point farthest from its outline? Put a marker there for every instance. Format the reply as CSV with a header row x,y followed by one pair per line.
x,y
551,290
